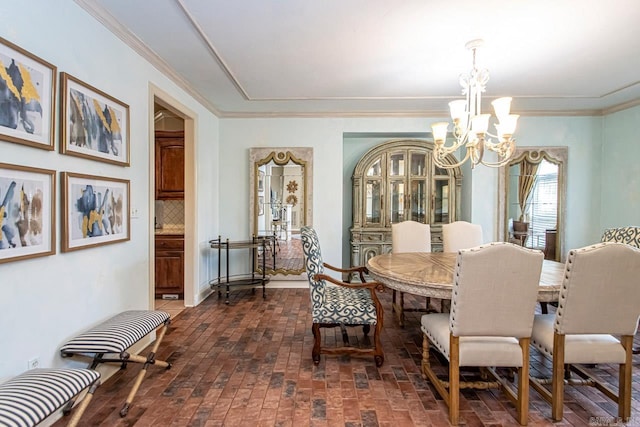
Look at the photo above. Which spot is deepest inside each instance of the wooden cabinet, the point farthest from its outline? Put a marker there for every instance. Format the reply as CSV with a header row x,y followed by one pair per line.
x,y
169,265
397,181
169,153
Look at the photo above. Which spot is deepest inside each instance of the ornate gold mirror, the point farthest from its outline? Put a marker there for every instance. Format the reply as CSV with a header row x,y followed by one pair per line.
x,y
531,199
281,203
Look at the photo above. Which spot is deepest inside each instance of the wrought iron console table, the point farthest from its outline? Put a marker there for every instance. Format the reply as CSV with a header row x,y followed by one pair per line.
x,y
252,279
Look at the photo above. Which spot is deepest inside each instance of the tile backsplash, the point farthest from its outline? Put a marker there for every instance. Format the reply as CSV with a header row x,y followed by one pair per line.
x,y
169,213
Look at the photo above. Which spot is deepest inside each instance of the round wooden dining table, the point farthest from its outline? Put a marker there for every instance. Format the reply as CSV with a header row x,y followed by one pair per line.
x,y
430,274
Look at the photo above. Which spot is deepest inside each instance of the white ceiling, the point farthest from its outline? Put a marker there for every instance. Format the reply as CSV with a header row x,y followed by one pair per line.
x,y
245,58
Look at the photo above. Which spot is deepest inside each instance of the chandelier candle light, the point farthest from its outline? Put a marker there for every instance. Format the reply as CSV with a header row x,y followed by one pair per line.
x,y
470,126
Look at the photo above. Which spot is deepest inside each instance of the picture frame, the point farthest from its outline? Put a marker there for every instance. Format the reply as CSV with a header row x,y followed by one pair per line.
x,y
27,212
80,101
27,113
95,211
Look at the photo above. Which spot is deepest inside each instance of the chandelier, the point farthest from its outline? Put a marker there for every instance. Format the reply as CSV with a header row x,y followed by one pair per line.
x,y
470,126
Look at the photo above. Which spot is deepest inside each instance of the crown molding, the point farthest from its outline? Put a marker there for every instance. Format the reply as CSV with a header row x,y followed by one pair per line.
x,y
398,114
620,107
123,33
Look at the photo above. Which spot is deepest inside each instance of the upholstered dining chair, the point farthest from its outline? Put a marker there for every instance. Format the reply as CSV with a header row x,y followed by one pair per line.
x,y
408,236
461,235
470,335
340,304
586,331
627,235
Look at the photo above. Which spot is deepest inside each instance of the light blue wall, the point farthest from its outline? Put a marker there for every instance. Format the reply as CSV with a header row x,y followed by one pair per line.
x,y
338,143
47,300
620,200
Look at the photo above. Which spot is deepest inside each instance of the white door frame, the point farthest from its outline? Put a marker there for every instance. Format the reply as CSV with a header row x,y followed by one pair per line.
x,y
157,95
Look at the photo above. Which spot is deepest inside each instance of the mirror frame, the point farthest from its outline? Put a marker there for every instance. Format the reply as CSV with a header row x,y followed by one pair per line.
x,y
555,155
281,156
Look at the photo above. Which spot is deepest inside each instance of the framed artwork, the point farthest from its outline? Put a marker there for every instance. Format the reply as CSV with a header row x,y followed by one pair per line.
x,y
95,211
27,98
27,212
260,205
93,125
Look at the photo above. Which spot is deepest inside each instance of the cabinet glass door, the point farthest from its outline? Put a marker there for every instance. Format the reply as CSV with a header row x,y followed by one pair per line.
x,y
441,200
373,202
397,183
418,185
373,194
418,200
418,164
396,164
397,200
375,169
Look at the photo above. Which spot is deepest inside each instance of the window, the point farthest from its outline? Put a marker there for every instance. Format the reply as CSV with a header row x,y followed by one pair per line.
x,y
543,207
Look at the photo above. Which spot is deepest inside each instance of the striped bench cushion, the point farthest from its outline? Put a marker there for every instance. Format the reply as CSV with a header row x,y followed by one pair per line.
x,y
116,334
32,396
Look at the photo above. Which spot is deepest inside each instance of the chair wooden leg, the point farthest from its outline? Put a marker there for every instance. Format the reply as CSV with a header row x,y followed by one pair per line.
x,y
523,383
401,311
316,343
557,382
454,380
345,335
378,354
428,374
425,365
625,379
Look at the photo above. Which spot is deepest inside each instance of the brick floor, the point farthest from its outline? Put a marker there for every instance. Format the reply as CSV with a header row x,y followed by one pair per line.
x,y
249,364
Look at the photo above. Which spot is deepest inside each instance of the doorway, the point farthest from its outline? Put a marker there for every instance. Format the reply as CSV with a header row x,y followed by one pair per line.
x,y
169,209
173,216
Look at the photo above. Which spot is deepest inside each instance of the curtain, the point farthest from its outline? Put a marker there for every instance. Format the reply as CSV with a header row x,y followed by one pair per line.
x,y
526,181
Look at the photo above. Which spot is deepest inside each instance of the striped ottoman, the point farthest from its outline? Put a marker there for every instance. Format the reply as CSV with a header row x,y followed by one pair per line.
x,y
31,397
108,343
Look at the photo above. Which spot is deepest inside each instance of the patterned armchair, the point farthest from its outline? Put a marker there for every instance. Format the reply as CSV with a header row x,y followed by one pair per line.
x,y
347,304
628,235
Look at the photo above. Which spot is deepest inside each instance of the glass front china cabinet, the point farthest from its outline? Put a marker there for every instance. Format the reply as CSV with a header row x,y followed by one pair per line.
x,y
397,181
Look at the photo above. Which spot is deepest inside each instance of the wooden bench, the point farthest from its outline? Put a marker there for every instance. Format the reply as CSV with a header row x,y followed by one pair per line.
x,y
31,397
108,343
